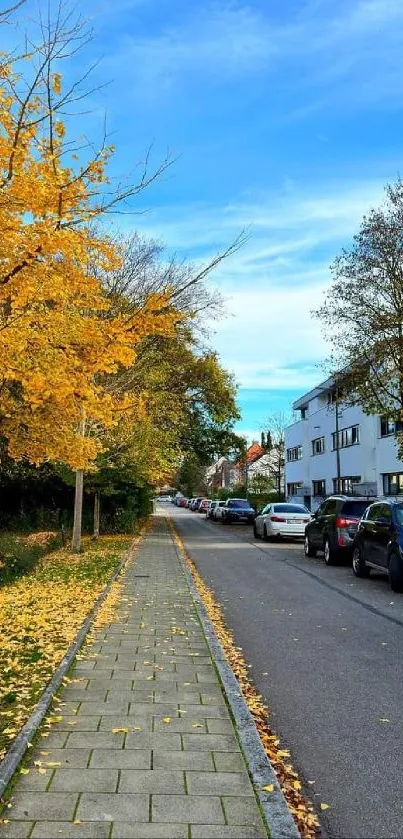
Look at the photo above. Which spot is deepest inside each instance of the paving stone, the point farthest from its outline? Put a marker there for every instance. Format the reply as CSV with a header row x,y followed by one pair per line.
x,y
53,739
121,759
218,783
211,742
220,726
196,809
102,708
212,697
16,830
182,724
43,805
128,830
183,760
70,758
92,780
94,740
108,722
207,711
229,762
227,831
242,811
77,723
68,830
144,740
109,807
152,781
153,709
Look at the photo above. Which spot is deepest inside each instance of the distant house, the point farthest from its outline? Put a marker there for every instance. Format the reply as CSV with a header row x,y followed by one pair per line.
x,y
221,475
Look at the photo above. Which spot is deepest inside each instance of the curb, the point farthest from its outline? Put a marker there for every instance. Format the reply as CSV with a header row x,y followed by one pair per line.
x,y
17,751
278,817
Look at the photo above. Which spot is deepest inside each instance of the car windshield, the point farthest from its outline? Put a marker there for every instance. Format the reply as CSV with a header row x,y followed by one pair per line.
x,y
239,502
290,508
355,508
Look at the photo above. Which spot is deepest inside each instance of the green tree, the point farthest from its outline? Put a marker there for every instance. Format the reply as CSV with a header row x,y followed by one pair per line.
x,y
362,315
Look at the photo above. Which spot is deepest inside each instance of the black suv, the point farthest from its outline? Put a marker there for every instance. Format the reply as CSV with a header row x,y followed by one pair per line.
x,y
333,527
237,509
379,542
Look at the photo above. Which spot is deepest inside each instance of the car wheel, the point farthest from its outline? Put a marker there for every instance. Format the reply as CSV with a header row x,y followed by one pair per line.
x,y
330,553
265,534
255,533
360,569
396,573
308,549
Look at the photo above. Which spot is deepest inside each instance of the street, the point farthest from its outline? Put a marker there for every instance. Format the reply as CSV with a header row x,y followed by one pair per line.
x,y
325,654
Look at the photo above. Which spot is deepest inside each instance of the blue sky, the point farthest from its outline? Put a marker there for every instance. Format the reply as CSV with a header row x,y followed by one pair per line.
x,y
285,117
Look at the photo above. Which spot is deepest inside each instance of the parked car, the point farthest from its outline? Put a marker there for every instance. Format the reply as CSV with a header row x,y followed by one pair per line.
x,y
217,512
277,520
182,502
237,510
378,542
210,509
163,498
196,503
333,527
203,505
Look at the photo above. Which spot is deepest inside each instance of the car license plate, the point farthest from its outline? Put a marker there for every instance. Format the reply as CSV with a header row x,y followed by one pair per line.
x,y
292,521
243,518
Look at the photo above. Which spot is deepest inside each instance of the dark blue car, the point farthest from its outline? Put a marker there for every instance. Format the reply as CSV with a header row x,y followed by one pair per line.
x,y
378,542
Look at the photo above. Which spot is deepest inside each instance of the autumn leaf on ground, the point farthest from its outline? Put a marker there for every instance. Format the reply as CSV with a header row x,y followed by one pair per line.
x,y
166,719
383,719
268,788
119,730
324,806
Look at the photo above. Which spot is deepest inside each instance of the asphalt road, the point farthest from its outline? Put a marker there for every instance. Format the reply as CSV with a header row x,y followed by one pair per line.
x,y
326,655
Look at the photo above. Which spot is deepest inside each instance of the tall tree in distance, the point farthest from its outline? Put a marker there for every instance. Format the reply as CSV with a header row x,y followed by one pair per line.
x,y
362,315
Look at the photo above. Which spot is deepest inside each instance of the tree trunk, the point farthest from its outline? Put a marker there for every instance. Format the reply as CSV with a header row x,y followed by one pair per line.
x,y
78,512
97,508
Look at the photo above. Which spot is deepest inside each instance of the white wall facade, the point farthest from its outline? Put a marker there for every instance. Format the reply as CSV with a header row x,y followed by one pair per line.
x,y
364,453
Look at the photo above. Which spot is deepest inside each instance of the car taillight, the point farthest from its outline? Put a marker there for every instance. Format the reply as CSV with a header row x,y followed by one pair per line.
x,y
277,518
343,522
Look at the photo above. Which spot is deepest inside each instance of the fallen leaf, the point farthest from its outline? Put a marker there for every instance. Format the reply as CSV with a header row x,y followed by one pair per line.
x,y
324,806
24,771
197,725
383,719
119,730
166,719
268,788
42,771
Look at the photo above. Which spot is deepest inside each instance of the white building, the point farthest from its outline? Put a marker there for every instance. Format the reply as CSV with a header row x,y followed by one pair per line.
x,y
365,461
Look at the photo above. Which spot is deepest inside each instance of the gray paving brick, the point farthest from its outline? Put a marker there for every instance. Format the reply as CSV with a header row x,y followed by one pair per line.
x,y
109,807
215,726
182,724
229,761
121,759
152,781
183,760
196,809
207,711
92,780
211,742
103,708
212,697
144,740
53,739
68,830
15,830
227,831
128,830
242,811
219,783
153,709
108,722
94,740
78,723
71,758
43,805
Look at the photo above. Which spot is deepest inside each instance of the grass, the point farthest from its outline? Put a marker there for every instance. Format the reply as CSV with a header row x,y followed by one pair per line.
x,y
20,553
47,596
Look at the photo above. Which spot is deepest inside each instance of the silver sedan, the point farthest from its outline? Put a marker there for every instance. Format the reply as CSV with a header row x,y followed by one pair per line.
x,y
281,519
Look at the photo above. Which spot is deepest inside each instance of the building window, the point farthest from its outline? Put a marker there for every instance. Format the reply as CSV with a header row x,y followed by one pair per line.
x,y
346,484
304,412
393,484
292,488
294,453
318,445
319,488
389,426
347,437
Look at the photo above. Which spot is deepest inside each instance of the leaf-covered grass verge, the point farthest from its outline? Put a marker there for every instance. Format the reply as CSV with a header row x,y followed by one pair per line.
x,y
300,807
40,615
20,553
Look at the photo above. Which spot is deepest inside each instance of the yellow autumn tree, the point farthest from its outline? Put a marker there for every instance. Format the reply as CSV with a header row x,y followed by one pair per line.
x,y
57,341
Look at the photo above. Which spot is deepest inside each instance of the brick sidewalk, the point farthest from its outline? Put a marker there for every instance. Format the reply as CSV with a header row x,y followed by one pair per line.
x,y
176,770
